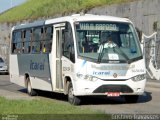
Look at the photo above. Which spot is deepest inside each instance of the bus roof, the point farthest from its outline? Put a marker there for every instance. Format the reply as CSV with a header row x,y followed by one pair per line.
x,y
87,17
29,25
72,18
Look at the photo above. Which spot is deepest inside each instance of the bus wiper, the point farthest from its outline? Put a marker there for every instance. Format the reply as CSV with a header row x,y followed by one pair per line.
x,y
100,55
101,49
122,53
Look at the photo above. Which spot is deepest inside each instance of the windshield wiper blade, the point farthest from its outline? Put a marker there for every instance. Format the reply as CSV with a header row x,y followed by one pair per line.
x,y
100,55
123,54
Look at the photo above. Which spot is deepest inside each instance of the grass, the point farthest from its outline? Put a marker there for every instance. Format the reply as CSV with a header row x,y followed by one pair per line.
x,y
34,9
46,109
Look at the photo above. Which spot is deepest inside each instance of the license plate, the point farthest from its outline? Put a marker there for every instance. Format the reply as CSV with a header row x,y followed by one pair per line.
x,y
112,94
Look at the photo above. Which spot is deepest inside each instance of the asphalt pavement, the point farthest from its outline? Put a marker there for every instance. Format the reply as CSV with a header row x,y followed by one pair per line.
x,y
147,104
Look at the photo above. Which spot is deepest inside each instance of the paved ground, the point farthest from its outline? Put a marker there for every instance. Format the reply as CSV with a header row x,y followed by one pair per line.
x,y
10,90
149,103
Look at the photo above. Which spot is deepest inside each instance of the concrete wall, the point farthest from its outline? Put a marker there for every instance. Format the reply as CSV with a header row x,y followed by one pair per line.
x,y
143,13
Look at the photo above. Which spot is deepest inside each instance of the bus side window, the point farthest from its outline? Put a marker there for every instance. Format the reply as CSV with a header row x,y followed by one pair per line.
x,y
17,42
37,39
47,43
27,41
14,49
68,43
14,43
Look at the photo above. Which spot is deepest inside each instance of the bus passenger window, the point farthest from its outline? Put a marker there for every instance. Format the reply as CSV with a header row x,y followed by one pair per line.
x,y
29,49
44,49
33,49
23,50
68,44
27,41
37,39
14,48
13,43
16,45
47,43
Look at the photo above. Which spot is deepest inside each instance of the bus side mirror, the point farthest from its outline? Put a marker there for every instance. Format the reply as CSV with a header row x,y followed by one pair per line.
x,y
139,32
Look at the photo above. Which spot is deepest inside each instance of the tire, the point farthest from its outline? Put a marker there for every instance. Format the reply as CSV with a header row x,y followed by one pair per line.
x,y
131,98
74,100
30,91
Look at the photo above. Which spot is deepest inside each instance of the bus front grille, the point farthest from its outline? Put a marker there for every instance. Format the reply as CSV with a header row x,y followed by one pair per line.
x,y
113,88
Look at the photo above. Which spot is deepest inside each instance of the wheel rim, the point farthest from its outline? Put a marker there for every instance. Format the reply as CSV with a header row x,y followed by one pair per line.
x,y
29,87
70,95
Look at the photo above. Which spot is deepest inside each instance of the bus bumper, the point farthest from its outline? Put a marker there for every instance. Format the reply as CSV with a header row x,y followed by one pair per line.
x,y
128,87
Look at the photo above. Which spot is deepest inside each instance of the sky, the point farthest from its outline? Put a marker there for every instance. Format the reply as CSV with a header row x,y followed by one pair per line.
x,y
7,4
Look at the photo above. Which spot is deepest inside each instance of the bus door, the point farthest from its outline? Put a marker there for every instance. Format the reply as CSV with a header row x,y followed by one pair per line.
x,y
58,83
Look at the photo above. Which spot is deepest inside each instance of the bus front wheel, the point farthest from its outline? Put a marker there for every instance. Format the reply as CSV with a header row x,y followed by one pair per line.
x,y
131,98
30,91
71,98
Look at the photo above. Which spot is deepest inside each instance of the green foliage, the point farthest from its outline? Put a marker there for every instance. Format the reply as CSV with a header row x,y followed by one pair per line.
x,y
34,9
38,106
46,109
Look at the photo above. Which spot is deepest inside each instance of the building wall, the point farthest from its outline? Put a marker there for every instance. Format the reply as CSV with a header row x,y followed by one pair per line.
x,y
143,13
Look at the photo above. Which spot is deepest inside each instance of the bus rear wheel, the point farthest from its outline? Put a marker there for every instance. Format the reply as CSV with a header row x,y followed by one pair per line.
x,y
71,98
30,91
131,98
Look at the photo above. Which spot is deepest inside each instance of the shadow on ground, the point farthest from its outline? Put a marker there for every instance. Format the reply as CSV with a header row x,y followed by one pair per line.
x,y
92,100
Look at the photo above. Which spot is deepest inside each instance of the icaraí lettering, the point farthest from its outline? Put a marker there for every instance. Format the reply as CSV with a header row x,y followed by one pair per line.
x,y
101,73
37,65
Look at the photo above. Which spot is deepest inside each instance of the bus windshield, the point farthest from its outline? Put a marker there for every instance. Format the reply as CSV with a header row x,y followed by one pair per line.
x,y
107,41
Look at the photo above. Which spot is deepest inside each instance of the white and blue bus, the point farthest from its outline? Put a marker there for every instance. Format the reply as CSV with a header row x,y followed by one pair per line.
x,y
79,55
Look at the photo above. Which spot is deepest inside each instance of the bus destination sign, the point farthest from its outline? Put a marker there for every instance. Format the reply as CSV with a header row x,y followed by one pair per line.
x,y
98,26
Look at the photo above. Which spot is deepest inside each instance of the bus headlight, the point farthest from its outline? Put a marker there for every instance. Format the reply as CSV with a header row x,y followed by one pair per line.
x,y
87,77
139,77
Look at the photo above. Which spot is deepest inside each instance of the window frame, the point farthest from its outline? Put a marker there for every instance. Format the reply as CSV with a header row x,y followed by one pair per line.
x,y
24,39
